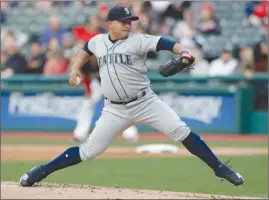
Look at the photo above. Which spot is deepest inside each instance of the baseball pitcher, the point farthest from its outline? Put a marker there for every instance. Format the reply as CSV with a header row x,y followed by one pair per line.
x,y
129,99
93,94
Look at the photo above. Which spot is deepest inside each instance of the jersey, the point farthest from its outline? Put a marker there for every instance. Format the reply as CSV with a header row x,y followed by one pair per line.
x,y
122,63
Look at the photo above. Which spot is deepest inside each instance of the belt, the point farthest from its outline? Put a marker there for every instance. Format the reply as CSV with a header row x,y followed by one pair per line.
x,y
141,94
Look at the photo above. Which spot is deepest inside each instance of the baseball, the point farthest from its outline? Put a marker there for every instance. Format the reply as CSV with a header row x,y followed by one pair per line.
x,y
185,60
78,80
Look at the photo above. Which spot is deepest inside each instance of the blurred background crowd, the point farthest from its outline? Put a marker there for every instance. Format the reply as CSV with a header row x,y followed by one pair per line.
x,y
226,38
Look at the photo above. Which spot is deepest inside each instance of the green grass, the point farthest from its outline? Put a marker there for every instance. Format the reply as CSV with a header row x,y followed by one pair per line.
x,y
210,143
172,174
125,143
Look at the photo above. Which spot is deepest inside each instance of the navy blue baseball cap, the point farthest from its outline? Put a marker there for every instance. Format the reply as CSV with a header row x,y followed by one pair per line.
x,y
120,13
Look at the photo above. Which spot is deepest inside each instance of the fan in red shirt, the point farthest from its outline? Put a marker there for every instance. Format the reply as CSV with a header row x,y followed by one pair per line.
x,y
261,11
259,15
86,31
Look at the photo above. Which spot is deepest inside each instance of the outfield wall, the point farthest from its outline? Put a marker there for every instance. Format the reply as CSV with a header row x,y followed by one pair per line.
x,y
36,103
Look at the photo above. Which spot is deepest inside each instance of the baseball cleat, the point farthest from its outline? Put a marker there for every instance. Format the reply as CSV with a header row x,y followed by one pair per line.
x,y
225,173
35,175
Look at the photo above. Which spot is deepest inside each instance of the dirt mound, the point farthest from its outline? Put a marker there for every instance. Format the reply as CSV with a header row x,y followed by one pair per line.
x,y
11,190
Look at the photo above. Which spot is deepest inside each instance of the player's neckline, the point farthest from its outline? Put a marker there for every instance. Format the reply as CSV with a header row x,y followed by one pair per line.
x,y
114,41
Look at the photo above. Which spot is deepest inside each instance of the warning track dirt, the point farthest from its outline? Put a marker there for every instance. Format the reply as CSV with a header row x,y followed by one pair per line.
x,y
47,152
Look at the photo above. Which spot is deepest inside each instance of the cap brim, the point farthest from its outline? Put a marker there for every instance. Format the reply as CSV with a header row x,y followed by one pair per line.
x,y
131,18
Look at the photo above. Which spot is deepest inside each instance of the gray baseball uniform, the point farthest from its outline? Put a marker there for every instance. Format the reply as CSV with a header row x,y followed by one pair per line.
x,y
124,77
130,100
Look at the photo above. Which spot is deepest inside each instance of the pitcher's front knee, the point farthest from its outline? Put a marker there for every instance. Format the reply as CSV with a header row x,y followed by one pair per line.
x,y
88,153
180,133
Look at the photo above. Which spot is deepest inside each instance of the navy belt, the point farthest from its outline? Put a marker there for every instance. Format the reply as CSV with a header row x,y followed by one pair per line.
x,y
128,101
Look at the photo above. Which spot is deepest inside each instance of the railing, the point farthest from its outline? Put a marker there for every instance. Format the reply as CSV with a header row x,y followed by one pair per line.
x,y
153,76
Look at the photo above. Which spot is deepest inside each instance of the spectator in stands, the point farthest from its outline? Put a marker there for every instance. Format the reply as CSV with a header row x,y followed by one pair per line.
x,y
71,47
176,10
4,4
68,45
201,65
87,31
245,62
144,22
102,15
128,4
258,13
37,61
16,62
103,10
54,30
3,16
43,4
261,55
11,4
249,7
52,47
184,28
82,4
224,65
56,65
61,3
78,4
157,10
208,23
163,15
9,35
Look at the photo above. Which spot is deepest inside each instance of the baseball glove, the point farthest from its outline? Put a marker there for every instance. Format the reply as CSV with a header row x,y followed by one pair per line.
x,y
175,65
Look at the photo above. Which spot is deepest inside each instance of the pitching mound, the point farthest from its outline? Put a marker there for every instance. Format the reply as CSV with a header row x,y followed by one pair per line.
x,y
11,190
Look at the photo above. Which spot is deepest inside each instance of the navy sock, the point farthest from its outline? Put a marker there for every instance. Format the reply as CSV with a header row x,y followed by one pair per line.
x,y
68,158
198,147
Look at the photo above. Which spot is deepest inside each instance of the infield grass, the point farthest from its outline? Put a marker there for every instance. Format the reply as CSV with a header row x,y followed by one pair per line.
x,y
187,174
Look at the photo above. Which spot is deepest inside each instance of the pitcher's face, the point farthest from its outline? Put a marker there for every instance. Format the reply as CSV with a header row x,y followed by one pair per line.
x,y
120,29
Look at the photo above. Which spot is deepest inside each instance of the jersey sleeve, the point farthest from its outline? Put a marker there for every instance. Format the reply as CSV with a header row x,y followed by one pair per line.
x,y
87,49
148,43
90,46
